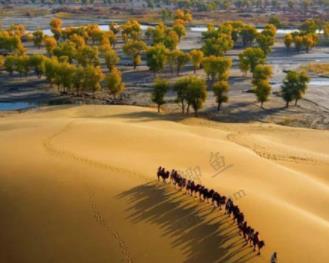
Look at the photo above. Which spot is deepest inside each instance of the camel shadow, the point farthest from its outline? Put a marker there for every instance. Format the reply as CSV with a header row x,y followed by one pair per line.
x,y
202,234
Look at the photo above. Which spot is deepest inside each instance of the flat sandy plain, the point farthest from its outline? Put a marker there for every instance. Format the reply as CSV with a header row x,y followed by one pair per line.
x,y
77,184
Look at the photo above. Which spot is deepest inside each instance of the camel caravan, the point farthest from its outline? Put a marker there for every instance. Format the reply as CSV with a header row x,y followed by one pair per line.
x,y
249,234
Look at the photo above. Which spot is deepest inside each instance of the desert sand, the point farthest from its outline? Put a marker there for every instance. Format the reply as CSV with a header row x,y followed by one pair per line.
x,y
77,184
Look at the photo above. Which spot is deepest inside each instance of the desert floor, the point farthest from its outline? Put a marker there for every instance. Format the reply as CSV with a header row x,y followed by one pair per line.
x,y
77,184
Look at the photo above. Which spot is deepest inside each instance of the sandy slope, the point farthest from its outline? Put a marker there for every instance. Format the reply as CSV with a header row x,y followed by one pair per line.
x,y
77,185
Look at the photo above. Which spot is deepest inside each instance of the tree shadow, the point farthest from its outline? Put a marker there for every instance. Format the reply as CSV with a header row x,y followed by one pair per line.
x,y
243,112
202,233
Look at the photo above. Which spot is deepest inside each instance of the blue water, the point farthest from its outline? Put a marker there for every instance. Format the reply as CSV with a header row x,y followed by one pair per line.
x,y
8,106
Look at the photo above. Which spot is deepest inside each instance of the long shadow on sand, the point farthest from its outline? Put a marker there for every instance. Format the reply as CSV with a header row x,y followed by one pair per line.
x,y
202,233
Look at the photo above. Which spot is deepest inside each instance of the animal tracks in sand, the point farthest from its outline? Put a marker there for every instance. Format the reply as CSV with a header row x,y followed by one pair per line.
x,y
61,153
243,140
54,149
109,228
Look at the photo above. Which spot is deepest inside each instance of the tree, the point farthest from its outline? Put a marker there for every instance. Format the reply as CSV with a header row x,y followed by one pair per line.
x,y
183,15
192,91
51,66
288,40
11,43
156,57
87,56
265,42
114,82
50,44
131,30
56,27
92,78
309,26
94,33
294,86
298,42
181,58
196,58
171,40
134,48
2,62
160,88
309,41
217,68
10,64
179,28
261,76
262,72
263,90
217,41
111,59
220,89
78,79
250,58
22,65
196,93
275,20
64,76
326,30
37,38
248,34
37,63
266,38
66,49
79,41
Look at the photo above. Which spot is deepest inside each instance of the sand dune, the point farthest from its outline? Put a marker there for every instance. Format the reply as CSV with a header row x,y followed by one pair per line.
x,y
77,184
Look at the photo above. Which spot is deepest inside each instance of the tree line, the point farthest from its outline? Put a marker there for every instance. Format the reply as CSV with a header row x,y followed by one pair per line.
x,y
74,55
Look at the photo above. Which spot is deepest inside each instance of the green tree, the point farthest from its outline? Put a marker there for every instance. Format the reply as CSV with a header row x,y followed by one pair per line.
x,y
10,64
2,62
261,76
309,26
66,49
37,38
191,91
131,30
51,68
156,57
37,63
262,91
181,58
160,88
92,78
179,28
114,82
196,93
87,56
220,89
134,48
111,59
250,58
22,65
196,58
248,34
217,68
50,44
217,41
275,20
288,40
294,86
78,79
